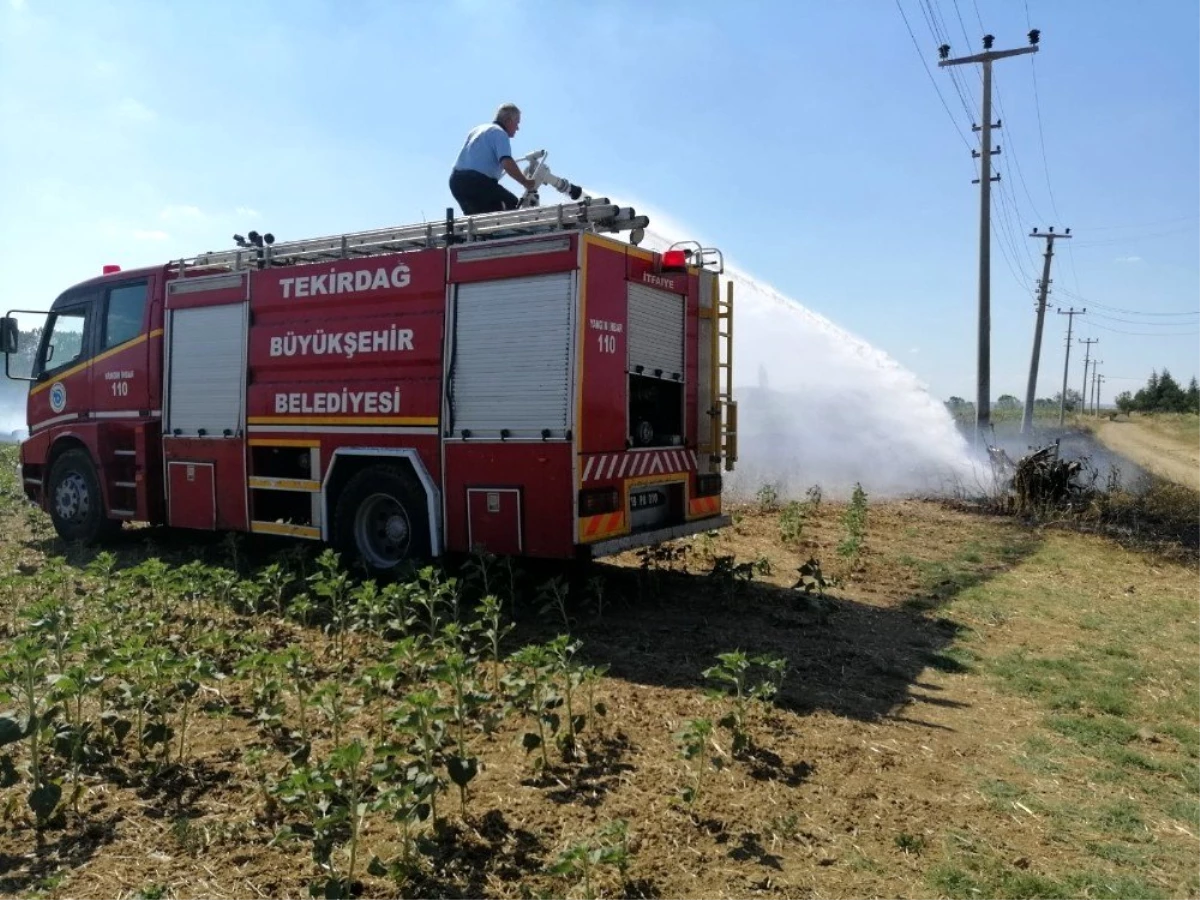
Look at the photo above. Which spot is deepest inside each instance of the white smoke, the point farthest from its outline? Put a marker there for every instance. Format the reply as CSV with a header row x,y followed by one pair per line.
x,y
819,406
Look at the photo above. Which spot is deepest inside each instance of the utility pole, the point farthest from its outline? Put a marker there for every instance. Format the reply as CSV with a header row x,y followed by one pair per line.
x,y
1099,385
1043,290
1096,387
1062,400
1086,353
983,377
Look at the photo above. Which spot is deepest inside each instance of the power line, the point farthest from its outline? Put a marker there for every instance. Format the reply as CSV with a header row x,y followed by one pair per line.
x,y
1107,318
1190,218
939,38
1041,133
1160,334
932,80
1130,312
1131,239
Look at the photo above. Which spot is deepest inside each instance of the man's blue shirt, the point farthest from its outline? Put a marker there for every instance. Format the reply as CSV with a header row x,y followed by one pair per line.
x,y
484,148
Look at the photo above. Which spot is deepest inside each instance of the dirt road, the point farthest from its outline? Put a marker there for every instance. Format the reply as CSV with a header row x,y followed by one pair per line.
x,y
1176,460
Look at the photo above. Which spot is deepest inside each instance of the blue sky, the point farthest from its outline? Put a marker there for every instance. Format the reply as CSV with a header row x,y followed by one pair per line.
x,y
805,139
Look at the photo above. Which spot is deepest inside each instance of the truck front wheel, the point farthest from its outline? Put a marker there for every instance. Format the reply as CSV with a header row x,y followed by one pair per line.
x,y
75,500
381,518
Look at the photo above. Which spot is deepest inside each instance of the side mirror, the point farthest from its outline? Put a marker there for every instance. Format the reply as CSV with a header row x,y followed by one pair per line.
x,y
8,335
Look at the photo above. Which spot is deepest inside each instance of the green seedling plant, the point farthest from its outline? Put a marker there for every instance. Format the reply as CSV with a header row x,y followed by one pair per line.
x,y
608,847
482,568
297,663
186,675
552,598
732,675
266,687
595,587
377,682
797,514
73,739
767,497
398,603
491,630
331,583
275,580
729,574
694,740
331,794
855,522
23,679
420,718
456,672
530,690
336,705
572,676
437,598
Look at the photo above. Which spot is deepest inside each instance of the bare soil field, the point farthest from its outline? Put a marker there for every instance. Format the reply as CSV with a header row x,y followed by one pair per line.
x,y
1169,447
966,706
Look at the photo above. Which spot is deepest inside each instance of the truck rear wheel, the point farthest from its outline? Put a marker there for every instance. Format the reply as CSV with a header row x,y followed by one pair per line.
x,y
381,519
76,501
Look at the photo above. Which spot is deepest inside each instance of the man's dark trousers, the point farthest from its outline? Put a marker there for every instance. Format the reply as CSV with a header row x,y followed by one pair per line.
x,y
477,193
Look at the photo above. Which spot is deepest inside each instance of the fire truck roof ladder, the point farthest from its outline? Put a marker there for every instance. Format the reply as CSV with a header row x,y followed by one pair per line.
x,y
596,214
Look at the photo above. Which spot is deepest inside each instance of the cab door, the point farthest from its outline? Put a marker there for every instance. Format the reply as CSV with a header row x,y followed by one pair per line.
x,y
120,371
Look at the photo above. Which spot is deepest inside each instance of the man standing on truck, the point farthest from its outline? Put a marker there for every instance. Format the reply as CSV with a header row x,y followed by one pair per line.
x,y
485,157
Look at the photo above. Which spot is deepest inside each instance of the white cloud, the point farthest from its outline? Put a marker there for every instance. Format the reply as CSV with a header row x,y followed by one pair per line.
x,y
180,213
130,108
1129,259
142,234
18,5
248,211
914,349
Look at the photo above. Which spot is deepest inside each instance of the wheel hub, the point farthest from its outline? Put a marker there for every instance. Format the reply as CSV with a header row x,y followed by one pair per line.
x,y
71,500
382,530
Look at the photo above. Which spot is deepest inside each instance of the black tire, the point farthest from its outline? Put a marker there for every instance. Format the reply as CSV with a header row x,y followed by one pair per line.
x,y
381,520
75,500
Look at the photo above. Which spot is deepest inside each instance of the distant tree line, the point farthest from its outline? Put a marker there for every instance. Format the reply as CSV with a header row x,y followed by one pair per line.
x,y
1007,403
1162,393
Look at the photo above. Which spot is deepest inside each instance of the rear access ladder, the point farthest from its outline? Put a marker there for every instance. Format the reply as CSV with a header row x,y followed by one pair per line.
x,y
727,406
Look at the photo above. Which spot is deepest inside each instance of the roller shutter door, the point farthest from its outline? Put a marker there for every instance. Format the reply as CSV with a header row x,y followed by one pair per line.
x,y
207,370
655,331
512,357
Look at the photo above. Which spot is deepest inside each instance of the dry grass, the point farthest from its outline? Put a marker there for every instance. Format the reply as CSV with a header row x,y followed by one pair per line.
x,y
1181,427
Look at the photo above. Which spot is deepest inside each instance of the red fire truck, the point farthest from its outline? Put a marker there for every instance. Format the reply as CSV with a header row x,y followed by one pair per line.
x,y
527,383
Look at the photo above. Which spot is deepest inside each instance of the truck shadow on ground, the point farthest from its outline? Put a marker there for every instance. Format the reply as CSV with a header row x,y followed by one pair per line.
x,y
844,657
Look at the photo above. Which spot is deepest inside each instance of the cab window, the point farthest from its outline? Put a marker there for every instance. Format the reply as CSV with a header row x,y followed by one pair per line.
x,y
123,317
65,341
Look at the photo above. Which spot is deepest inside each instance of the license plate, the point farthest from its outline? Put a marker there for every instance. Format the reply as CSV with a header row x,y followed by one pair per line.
x,y
647,499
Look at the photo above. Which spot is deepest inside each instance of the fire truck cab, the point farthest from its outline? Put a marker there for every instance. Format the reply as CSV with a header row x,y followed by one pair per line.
x,y
523,383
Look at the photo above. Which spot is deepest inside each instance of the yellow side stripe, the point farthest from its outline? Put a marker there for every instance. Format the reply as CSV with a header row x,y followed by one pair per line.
x,y
285,484
273,442
341,420
306,531
133,342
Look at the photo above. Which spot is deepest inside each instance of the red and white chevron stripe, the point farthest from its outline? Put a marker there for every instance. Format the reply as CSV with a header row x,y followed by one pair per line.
x,y
607,466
